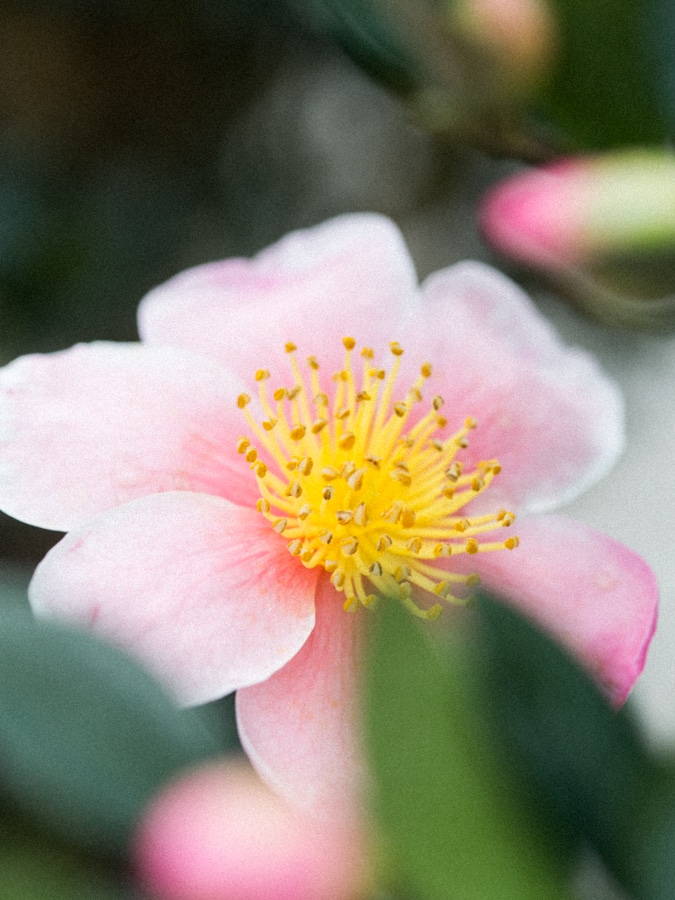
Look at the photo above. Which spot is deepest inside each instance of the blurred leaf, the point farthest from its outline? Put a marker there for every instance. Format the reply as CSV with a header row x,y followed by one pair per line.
x,y
31,868
456,825
86,736
581,761
658,24
601,94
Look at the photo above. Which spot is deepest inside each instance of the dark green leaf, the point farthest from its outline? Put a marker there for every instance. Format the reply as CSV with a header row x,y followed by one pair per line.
x,y
582,763
86,736
455,823
601,93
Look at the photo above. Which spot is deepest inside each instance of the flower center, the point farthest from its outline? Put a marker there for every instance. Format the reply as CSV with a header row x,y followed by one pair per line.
x,y
354,486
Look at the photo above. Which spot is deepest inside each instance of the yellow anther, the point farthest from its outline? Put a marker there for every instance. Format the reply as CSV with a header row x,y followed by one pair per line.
x,y
242,445
262,505
396,348
328,473
243,400
318,425
373,460
321,399
367,353
298,432
470,422
441,421
342,413
326,537
306,465
361,515
362,396
437,402
347,440
438,550
313,363
294,489
262,374
384,543
337,579
408,517
251,455
280,525
351,605
349,343
268,424
511,543
461,525
295,547
376,569
355,480
344,516
304,512
349,546
425,371
414,545
402,572
471,546
400,409
331,565
477,484
293,392
290,347
454,471
261,470
327,493
279,394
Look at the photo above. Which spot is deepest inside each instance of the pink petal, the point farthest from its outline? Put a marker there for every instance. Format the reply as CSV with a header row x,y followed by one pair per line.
x,y
199,589
546,411
593,593
95,426
300,728
350,274
218,832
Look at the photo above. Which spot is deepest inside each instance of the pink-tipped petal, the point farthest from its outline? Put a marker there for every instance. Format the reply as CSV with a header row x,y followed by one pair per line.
x,y
546,411
95,426
540,216
300,728
200,590
218,833
350,274
588,590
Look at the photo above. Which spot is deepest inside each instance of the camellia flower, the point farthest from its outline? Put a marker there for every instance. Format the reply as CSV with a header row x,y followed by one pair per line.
x,y
296,435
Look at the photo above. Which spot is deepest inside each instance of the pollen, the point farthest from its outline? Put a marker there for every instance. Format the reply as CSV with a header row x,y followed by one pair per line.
x,y
361,478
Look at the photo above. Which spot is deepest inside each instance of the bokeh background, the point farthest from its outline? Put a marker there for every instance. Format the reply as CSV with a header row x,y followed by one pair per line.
x,y
139,137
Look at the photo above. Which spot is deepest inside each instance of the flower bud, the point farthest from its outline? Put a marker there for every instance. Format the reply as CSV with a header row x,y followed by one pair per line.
x,y
603,225
218,833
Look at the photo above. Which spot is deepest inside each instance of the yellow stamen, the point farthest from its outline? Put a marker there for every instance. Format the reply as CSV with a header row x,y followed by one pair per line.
x,y
344,468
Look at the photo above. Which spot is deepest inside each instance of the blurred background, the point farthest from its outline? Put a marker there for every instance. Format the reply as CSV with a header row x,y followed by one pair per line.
x,y
139,138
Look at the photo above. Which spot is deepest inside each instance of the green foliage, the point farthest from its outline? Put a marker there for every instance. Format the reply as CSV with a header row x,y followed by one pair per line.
x,y
86,737
601,93
455,824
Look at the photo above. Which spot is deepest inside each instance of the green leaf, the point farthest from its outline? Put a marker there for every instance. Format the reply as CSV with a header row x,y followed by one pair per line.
x,y
601,94
86,736
455,823
578,759
33,868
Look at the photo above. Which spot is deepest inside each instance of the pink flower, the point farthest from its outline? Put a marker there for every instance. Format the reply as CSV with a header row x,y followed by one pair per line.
x,y
218,833
220,538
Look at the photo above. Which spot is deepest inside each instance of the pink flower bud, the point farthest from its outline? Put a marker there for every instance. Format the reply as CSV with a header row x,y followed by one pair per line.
x,y
218,833
582,210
